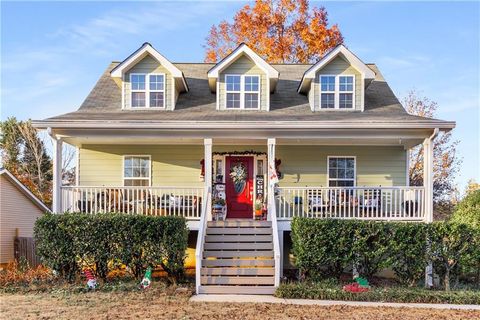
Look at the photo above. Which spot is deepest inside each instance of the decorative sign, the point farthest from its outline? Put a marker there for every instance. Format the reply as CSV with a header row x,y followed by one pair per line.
x,y
259,187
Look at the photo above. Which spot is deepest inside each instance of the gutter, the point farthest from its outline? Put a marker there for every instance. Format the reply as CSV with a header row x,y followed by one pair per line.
x,y
259,125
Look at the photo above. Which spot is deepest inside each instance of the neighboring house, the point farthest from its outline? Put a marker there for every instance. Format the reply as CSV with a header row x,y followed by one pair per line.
x,y
19,209
163,138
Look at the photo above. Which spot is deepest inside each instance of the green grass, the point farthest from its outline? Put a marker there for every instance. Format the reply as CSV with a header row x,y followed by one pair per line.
x,y
332,291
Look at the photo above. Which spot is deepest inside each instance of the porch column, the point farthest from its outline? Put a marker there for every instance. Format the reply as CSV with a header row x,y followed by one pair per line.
x,y
208,174
271,166
57,175
428,178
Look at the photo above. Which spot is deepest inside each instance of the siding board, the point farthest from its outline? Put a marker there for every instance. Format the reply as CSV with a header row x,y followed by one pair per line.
x,y
101,165
16,211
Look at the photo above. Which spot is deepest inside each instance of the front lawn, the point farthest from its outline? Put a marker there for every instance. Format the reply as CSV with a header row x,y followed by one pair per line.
x,y
165,303
331,290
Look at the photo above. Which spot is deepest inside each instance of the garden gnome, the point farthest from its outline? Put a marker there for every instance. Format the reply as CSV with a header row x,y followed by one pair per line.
x,y
147,279
91,280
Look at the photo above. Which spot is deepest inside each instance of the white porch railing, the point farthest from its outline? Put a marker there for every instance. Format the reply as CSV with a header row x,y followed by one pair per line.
x,y
201,239
365,203
158,201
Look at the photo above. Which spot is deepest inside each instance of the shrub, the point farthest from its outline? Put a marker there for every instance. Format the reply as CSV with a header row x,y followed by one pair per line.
x,y
370,246
328,247
68,242
449,243
55,244
322,247
468,212
408,251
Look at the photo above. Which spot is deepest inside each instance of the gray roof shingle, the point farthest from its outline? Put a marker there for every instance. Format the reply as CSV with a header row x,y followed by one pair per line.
x,y
198,104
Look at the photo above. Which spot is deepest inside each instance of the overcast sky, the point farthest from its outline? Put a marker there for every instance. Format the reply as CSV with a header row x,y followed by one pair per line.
x,y
52,53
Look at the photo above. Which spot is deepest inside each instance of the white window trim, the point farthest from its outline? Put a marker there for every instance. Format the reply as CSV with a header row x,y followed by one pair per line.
x,y
147,90
137,178
242,91
354,169
337,92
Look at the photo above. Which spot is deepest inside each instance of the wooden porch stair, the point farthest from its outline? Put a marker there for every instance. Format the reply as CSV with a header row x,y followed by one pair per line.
x,y
238,258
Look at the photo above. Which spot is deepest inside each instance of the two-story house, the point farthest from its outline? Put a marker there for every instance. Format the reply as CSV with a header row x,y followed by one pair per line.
x,y
328,140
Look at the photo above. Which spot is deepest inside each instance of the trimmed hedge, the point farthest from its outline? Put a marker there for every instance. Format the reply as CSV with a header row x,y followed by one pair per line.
x,y
68,242
327,247
305,290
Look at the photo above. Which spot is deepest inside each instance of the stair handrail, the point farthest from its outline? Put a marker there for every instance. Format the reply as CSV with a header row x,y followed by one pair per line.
x,y
202,227
272,213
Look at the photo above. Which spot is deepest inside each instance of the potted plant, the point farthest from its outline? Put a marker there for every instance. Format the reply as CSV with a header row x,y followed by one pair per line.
x,y
258,208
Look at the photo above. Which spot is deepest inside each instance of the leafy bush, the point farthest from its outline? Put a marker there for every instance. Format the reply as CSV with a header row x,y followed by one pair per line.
x,y
468,210
408,251
329,247
55,244
70,241
370,246
322,247
449,243
324,291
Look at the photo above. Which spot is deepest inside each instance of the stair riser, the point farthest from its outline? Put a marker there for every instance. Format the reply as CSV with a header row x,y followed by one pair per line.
x,y
207,280
238,263
232,271
238,246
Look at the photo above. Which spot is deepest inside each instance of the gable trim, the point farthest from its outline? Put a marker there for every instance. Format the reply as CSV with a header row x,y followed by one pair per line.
x,y
214,73
351,58
142,52
24,189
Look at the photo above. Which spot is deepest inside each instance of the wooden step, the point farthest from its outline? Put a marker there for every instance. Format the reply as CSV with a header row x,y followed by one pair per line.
x,y
225,280
238,246
238,238
238,254
239,223
238,231
238,262
237,290
237,271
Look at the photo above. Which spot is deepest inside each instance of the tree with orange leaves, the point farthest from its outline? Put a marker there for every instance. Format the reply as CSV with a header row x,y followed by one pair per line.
x,y
281,31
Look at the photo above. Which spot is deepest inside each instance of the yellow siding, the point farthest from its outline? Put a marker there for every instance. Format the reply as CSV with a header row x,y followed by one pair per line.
x,y
375,165
102,165
243,65
338,66
150,65
16,211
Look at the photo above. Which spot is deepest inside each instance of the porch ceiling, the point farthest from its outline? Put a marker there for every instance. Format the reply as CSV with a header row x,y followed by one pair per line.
x,y
405,137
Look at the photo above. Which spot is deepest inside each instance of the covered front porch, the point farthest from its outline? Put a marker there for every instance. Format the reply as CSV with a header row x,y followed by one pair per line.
x,y
360,175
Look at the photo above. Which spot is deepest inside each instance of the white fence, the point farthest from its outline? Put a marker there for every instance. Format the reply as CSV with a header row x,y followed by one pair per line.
x,y
366,203
158,201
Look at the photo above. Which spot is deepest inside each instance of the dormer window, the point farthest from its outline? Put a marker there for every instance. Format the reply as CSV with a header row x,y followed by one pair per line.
x,y
148,90
242,91
337,92
346,92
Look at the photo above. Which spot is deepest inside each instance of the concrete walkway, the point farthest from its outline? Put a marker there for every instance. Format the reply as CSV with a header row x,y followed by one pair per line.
x,y
271,299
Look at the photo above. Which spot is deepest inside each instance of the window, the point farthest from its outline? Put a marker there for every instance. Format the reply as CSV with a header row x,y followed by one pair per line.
x,y
148,91
337,92
346,92
138,90
157,86
252,90
341,171
136,170
242,92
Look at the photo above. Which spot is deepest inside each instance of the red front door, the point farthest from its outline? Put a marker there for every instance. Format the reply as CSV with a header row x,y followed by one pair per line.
x,y
239,187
